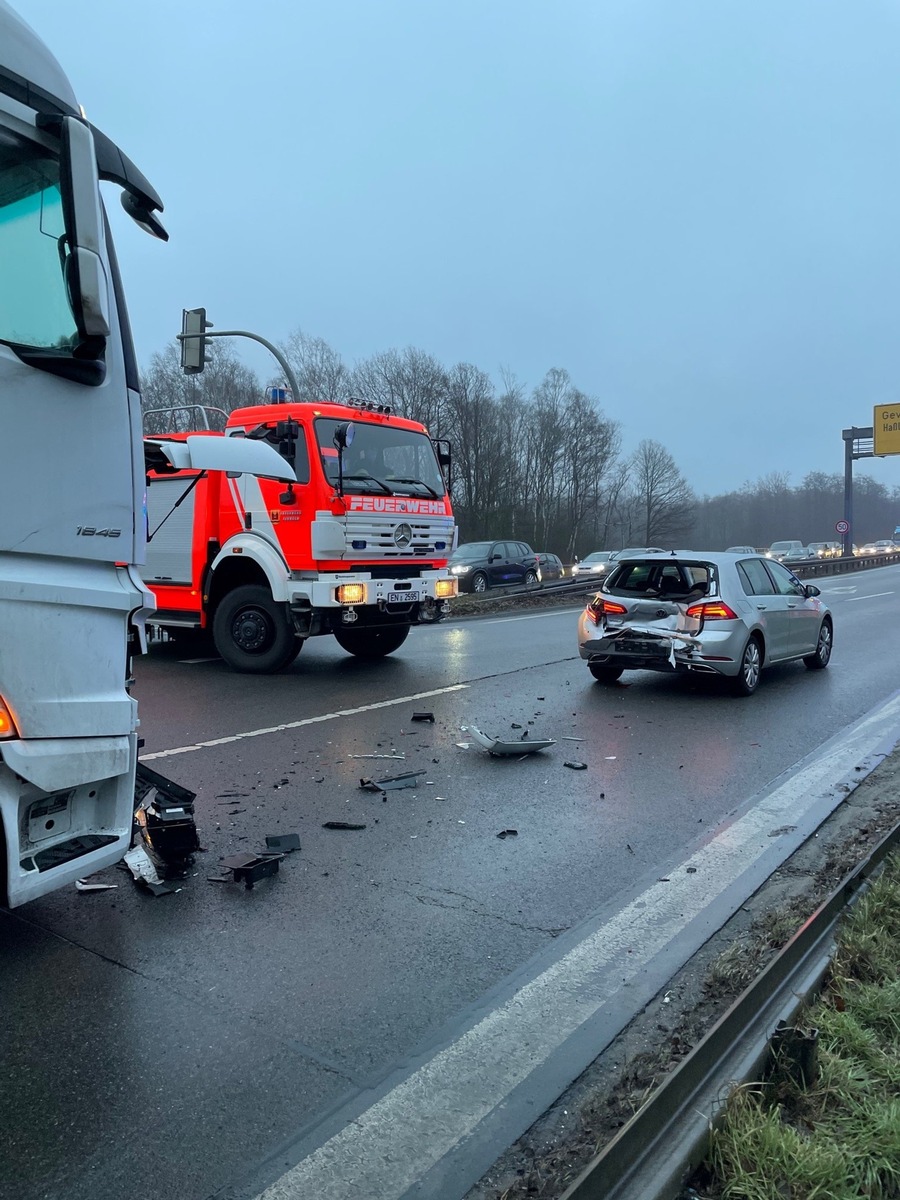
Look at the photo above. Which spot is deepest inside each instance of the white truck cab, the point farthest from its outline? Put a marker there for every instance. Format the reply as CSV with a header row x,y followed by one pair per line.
x,y
71,483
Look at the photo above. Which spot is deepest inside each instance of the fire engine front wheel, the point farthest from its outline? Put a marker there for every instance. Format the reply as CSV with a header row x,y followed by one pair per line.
x,y
371,643
253,633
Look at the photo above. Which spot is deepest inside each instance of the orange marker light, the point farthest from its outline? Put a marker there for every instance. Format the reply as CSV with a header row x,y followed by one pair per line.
x,y
7,724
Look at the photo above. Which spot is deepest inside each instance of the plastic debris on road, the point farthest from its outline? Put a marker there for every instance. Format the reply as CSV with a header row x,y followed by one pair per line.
x,y
342,825
283,843
509,749
576,766
409,779
248,868
90,885
144,872
507,833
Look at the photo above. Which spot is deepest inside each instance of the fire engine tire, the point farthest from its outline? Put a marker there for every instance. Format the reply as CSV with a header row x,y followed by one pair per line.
x,y
371,643
254,634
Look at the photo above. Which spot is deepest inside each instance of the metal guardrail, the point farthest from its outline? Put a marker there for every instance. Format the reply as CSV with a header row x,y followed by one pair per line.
x,y
651,1157
806,569
840,566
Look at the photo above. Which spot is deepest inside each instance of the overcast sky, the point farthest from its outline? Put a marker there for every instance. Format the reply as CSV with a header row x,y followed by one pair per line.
x,y
693,206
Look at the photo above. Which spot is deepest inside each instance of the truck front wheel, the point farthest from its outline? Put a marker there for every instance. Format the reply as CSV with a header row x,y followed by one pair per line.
x,y
254,634
371,643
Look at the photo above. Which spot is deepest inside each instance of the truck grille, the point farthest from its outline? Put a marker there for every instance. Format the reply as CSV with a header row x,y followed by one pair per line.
x,y
377,531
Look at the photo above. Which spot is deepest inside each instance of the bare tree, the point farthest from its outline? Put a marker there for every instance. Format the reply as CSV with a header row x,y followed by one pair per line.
x,y
412,382
661,494
226,383
319,370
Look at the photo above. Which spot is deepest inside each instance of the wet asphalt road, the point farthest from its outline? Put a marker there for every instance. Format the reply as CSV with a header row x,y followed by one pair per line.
x,y
166,1046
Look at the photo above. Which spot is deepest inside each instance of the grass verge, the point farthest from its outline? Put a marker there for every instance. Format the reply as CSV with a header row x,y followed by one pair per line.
x,y
839,1137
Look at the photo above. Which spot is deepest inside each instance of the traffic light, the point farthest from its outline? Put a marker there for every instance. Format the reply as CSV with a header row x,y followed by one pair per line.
x,y
193,344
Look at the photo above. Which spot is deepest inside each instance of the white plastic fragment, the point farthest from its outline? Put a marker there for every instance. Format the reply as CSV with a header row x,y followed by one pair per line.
x,y
518,747
141,866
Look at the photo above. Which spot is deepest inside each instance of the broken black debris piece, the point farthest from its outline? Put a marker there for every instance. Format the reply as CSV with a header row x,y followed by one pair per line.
x,y
160,888
423,716
576,766
283,842
392,782
165,813
506,833
341,825
249,868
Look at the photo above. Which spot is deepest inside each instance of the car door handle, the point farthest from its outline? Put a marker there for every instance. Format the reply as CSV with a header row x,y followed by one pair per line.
x,y
762,607
794,605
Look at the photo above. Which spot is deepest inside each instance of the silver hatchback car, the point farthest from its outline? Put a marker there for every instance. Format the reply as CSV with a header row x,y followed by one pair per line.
x,y
708,613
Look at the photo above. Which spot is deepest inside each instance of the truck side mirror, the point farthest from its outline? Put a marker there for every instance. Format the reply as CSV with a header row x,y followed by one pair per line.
x,y
83,262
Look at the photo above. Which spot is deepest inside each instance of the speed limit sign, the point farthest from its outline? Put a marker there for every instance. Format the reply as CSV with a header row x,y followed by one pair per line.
x,y
842,526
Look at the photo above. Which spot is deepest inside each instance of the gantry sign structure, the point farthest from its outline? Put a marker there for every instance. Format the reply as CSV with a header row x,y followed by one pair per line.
x,y
877,440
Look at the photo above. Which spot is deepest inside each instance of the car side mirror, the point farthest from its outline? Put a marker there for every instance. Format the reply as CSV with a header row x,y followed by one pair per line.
x,y
811,590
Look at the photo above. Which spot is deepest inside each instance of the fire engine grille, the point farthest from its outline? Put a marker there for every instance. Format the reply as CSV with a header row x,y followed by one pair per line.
x,y
432,537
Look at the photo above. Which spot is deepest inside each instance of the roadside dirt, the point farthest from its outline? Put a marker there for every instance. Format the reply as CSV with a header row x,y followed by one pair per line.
x,y
561,1143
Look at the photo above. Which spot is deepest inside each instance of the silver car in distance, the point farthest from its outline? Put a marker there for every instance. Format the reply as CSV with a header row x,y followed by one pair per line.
x,y
708,613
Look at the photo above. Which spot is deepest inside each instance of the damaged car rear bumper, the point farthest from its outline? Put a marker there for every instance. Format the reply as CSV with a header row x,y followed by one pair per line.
x,y
642,648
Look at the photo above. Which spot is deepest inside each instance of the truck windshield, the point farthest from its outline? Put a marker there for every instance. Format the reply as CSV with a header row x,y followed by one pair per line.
x,y
381,458
34,309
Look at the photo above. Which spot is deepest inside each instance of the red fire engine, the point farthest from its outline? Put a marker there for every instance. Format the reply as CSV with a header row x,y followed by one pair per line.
x,y
357,547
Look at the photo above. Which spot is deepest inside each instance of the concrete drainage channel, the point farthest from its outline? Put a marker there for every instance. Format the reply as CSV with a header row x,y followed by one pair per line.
x,y
653,1155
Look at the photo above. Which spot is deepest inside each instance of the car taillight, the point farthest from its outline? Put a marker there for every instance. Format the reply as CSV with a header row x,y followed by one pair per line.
x,y
712,610
598,607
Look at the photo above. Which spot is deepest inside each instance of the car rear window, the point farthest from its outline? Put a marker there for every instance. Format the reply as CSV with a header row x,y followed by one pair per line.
x,y
672,580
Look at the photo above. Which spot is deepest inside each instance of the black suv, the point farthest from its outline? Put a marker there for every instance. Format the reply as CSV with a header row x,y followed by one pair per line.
x,y
482,565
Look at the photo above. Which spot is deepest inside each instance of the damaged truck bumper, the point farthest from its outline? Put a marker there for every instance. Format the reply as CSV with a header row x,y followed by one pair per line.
x,y
66,806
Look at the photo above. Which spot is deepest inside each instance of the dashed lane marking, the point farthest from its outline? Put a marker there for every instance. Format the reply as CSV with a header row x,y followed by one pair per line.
x,y
332,716
873,596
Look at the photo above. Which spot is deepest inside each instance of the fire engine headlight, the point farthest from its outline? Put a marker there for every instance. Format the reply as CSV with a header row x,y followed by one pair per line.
x,y
351,593
445,588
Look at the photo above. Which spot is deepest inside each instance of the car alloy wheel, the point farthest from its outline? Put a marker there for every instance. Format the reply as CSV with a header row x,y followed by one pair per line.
x,y
747,679
822,656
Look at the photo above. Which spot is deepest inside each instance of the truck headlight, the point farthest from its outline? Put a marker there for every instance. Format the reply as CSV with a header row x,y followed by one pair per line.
x,y
351,593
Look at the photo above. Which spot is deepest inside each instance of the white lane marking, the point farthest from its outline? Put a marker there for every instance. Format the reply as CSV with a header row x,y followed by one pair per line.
x,y
189,662
873,596
332,716
834,591
395,1142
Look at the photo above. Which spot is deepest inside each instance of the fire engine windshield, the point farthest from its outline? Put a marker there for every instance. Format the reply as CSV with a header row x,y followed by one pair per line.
x,y
34,306
381,458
